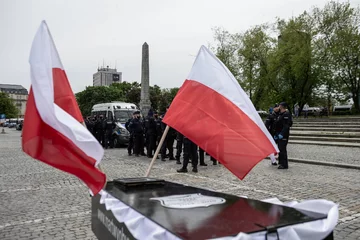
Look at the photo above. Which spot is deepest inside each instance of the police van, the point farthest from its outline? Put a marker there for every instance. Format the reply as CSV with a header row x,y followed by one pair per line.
x,y
120,112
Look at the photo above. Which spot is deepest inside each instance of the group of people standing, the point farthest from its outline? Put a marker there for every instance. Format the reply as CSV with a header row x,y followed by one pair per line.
x,y
102,129
278,124
147,132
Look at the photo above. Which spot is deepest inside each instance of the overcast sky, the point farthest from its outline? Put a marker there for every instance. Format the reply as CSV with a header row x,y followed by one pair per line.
x,y
88,32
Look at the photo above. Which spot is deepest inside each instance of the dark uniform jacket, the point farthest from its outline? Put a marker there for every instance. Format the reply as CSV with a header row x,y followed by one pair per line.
x,y
150,126
136,127
283,124
270,122
109,125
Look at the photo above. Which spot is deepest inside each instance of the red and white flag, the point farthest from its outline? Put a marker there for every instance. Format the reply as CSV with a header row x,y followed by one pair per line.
x,y
52,131
213,111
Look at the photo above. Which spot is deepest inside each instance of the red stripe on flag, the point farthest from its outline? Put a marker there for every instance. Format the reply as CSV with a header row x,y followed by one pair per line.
x,y
44,143
219,127
64,96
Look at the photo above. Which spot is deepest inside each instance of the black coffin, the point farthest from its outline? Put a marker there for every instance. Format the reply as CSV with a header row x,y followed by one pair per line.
x,y
233,216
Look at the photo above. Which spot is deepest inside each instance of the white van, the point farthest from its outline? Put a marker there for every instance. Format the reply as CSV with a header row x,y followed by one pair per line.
x,y
120,112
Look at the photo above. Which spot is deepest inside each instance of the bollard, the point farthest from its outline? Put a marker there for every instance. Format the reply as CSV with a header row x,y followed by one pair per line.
x,y
3,131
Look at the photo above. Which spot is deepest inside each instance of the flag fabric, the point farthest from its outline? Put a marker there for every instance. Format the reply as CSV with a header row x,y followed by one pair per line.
x,y
53,132
213,111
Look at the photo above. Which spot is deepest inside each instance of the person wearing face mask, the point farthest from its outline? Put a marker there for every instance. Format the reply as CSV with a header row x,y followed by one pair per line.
x,y
137,131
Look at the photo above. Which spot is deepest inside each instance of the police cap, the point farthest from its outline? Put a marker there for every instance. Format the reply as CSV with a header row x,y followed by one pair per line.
x,y
284,104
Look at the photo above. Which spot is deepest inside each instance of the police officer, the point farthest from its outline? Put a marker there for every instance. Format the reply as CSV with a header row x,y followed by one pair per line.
x,y
150,132
270,125
88,124
99,127
137,130
282,133
190,150
131,139
168,142
179,146
202,157
158,128
109,128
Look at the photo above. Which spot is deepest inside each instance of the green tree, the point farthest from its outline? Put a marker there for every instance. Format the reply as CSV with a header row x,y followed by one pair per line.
x,y
7,106
129,92
155,97
94,95
293,68
253,57
167,96
338,27
226,45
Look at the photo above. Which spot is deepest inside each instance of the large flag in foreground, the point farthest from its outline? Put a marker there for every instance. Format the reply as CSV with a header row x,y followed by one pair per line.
x,y
213,111
52,131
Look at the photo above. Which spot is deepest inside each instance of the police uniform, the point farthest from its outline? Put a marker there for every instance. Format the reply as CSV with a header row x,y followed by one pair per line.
x,y
190,150
202,157
137,131
179,146
158,130
270,126
150,131
131,139
109,128
282,133
168,142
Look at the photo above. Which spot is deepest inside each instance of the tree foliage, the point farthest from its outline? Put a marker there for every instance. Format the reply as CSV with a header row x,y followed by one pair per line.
x,y
311,58
126,92
7,106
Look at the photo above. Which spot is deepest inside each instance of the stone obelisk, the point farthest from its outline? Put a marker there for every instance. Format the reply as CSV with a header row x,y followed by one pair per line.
x,y
145,103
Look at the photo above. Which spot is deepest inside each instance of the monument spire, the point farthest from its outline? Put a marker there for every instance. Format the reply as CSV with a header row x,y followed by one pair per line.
x,y
145,104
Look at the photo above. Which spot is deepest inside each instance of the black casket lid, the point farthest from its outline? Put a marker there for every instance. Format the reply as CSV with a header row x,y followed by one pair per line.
x,y
235,215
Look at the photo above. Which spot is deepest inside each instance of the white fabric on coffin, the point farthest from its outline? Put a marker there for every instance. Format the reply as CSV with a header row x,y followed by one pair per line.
x,y
143,228
138,225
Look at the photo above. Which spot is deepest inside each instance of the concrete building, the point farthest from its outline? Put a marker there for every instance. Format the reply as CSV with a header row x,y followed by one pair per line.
x,y
18,94
106,76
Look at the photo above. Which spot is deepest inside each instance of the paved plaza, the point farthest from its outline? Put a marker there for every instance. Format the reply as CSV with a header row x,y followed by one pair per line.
x,y
40,202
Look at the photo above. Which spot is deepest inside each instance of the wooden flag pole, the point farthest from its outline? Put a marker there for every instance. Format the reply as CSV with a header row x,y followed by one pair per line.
x,y
157,150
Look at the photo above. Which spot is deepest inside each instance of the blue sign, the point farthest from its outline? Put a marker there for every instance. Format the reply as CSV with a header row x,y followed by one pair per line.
x,y
2,116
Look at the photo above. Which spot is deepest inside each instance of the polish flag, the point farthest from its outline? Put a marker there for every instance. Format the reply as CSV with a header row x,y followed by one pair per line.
x,y
52,131
214,112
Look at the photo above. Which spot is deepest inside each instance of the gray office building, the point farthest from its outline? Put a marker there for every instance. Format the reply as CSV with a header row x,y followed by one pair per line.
x,y
106,76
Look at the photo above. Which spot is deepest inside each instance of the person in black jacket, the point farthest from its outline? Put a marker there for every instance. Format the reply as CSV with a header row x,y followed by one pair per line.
x,y
99,128
158,128
131,139
150,131
190,150
179,146
282,133
168,142
109,128
270,125
137,131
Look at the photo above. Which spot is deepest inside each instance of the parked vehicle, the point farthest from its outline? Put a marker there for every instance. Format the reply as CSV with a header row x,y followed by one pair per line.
x,y
120,112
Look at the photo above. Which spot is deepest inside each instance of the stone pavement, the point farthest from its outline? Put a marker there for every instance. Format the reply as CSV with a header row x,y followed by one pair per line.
x,y
40,202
